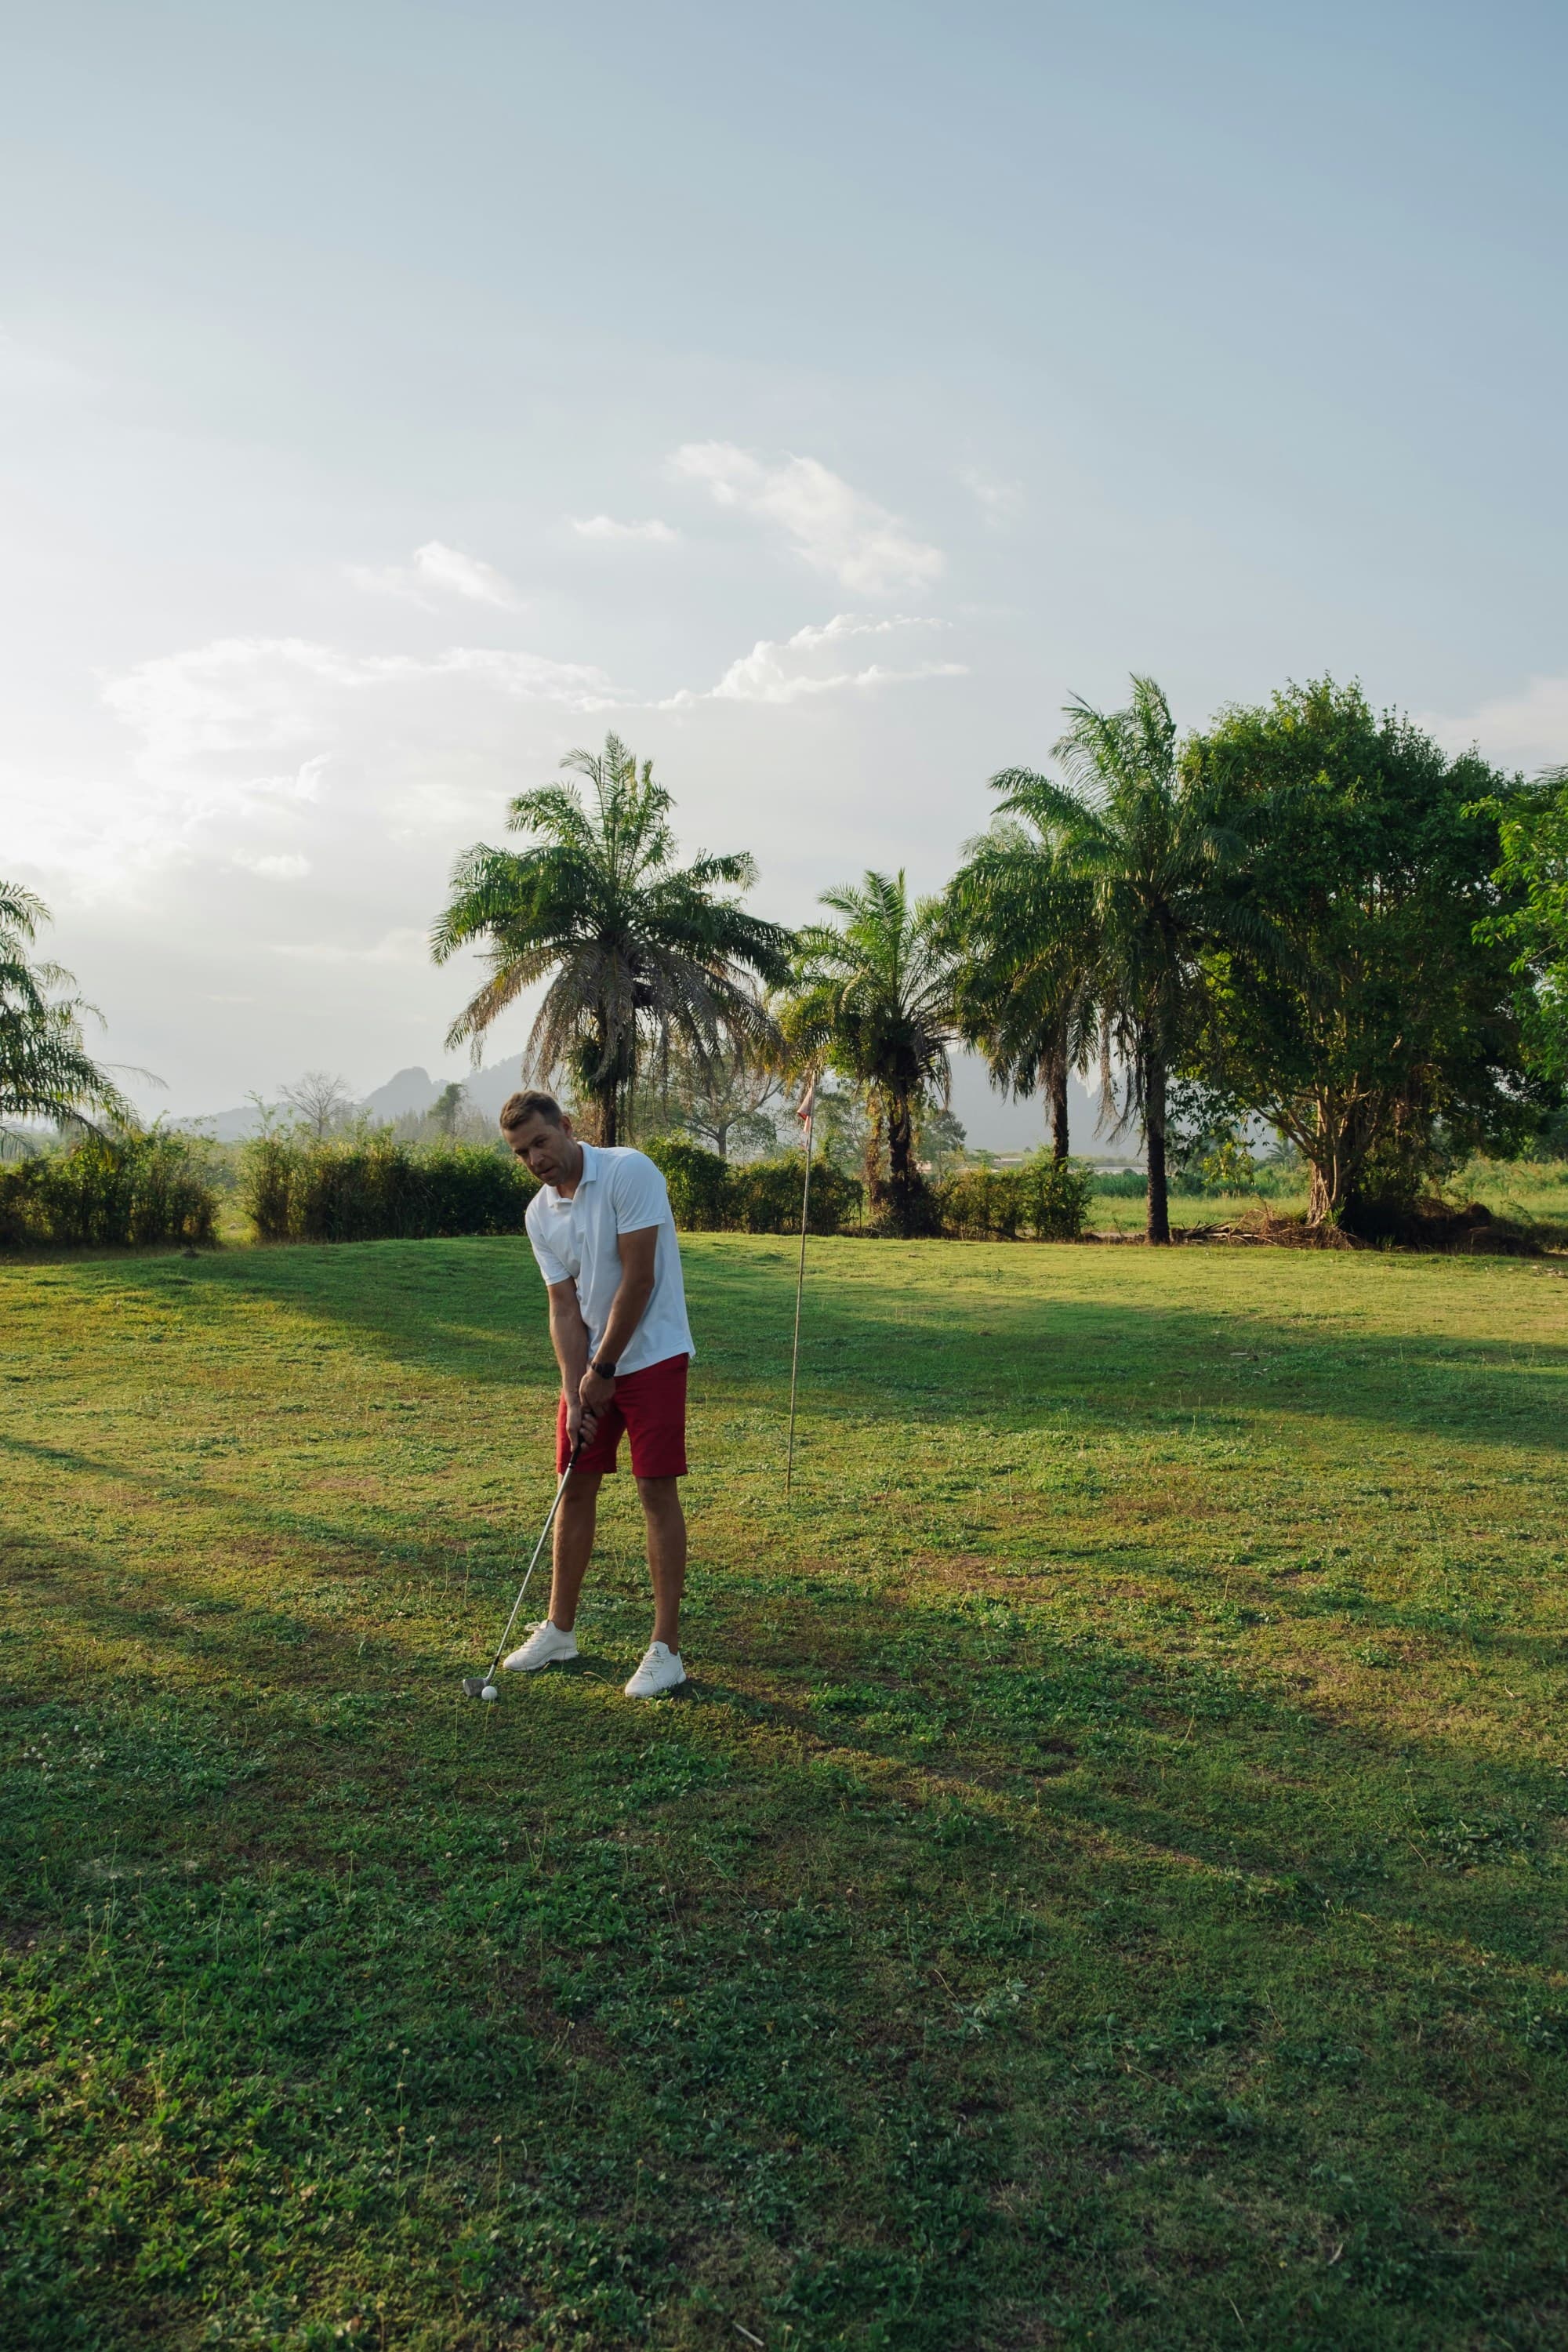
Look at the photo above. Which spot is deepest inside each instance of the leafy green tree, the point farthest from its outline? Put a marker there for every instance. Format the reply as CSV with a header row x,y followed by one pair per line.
x,y
1147,846
1021,921
872,1000
637,953
450,1106
842,1127
1532,830
1380,1036
46,1072
940,1140
720,1100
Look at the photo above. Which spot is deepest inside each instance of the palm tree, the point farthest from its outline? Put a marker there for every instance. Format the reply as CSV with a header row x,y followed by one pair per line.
x,y
638,953
1150,851
873,1000
1022,928
44,1070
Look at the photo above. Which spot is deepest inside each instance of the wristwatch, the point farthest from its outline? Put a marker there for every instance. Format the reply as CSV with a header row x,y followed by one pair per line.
x,y
603,1371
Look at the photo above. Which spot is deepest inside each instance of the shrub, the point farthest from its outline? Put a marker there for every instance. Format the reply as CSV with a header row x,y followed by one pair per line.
x,y
699,1183
765,1195
1045,1199
1055,1197
980,1204
375,1189
711,1195
131,1191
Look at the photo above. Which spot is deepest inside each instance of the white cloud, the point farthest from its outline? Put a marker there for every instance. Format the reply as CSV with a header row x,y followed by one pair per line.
x,y
260,751
1527,730
439,570
403,945
998,501
604,526
263,694
812,662
832,526
273,866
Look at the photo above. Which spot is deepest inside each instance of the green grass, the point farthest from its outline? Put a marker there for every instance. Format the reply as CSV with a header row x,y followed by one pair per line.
x,y
1105,1886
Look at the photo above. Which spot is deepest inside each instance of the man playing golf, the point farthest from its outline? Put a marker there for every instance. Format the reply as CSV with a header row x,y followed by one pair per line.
x,y
605,1239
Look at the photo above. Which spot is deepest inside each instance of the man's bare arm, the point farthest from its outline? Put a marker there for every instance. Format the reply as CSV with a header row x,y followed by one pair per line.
x,y
638,1254
569,1338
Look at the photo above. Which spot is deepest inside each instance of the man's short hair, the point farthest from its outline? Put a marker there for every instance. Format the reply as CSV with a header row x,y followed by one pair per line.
x,y
518,1109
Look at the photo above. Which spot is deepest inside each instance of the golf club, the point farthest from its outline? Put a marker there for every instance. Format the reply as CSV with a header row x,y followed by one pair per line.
x,y
484,1686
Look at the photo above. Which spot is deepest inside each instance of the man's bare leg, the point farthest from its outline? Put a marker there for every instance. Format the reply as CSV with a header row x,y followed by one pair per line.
x,y
574,1542
666,1521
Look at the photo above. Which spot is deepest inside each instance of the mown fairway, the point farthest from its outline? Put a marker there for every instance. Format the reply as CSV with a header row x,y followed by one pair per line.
x,y
1105,1887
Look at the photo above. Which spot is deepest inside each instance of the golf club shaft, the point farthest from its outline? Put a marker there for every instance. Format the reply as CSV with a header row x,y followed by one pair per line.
x,y
533,1563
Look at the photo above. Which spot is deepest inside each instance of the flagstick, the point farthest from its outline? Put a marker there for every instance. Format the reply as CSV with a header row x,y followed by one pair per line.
x,y
799,1287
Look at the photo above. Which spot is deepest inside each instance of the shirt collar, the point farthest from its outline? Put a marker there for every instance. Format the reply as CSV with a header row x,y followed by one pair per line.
x,y
590,1154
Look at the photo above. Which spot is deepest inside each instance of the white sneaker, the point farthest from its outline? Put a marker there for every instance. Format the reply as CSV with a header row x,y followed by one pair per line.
x,y
546,1645
660,1670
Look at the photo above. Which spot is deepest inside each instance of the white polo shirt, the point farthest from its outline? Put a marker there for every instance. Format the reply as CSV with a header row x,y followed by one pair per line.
x,y
579,1241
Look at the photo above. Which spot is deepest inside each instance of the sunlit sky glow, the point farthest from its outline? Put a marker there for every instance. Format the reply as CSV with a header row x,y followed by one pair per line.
x,y
398,396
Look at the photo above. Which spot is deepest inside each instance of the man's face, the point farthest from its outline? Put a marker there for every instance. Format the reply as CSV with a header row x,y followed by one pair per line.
x,y
547,1151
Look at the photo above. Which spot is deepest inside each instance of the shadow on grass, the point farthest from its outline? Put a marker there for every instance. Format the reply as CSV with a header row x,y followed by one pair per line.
x,y
779,1941
1185,1763
474,1308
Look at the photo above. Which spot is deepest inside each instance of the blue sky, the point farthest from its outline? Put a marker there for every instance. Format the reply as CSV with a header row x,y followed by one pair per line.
x,y
397,396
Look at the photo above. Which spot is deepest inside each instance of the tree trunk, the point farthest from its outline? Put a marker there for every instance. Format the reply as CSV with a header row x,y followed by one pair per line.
x,y
911,1201
1159,1222
1060,1103
609,1102
875,1190
1336,1151
901,1140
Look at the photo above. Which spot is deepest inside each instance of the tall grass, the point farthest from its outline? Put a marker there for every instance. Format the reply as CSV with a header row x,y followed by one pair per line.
x,y
118,1191
373,1188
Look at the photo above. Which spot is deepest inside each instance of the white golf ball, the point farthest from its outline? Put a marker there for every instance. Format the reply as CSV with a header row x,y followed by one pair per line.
x,y
489,1691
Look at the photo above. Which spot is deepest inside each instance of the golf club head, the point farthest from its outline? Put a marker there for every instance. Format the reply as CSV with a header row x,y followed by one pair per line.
x,y
473,1685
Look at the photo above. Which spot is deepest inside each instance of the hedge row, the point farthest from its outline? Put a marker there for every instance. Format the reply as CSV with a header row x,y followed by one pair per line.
x,y
374,1189
1044,1200
150,1189
710,1195
134,1192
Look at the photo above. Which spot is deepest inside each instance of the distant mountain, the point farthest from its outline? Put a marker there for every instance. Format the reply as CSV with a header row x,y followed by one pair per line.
x,y
993,1122
409,1091
226,1126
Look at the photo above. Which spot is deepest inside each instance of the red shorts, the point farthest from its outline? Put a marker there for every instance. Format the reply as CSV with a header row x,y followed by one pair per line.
x,y
650,1406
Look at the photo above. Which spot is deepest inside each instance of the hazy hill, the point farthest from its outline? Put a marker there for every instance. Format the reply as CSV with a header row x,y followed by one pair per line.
x,y
992,1123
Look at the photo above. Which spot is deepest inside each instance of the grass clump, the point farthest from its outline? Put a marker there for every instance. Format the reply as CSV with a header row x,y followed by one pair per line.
x,y
1104,1887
